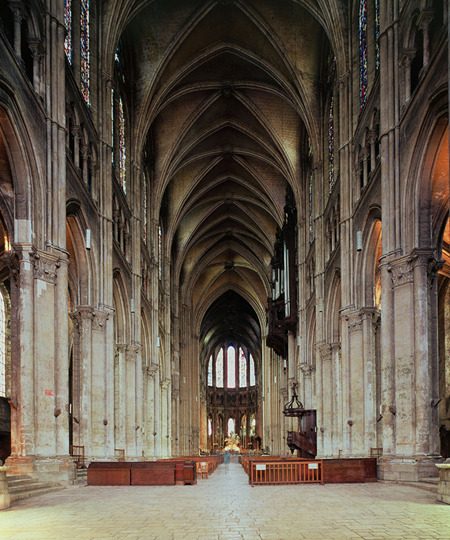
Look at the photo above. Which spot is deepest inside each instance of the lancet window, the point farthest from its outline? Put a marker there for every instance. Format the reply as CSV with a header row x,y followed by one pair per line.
x,y
362,53
84,48
331,144
122,147
144,207
68,25
238,370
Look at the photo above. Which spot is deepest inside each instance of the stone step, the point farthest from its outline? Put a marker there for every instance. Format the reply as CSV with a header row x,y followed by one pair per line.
x,y
430,480
427,486
26,494
12,477
30,486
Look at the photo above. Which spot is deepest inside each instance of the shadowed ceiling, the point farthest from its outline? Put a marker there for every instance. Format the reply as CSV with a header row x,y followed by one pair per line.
x,y
224,97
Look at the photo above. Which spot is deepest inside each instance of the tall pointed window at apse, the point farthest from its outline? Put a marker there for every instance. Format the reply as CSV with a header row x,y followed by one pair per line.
x,y
210,371
231,367
122,148
252,371
219,369
84,46
112,125
362,53
68,25
144,208
2,346
242,369
377,34
331,143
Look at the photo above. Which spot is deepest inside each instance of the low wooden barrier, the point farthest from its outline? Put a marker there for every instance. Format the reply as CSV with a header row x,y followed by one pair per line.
x,y
285,472
142,473
109,473
350,470
245,460
153,473
280,470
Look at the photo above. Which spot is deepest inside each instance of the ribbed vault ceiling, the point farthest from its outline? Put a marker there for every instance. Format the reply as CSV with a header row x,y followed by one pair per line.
x,y
224,95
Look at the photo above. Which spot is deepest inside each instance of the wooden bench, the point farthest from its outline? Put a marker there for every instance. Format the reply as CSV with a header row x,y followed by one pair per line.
x,y
108,473
153,473
350,470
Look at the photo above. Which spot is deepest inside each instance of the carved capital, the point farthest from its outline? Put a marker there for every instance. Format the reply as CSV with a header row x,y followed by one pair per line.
x,y
407,57
401,272
165,384
354,321
99,319
424,19
45,266
324,350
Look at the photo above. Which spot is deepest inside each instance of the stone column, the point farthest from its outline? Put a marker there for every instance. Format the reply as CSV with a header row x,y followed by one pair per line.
x,y
406,59
120,422
82,319
423,23
324,396
22,373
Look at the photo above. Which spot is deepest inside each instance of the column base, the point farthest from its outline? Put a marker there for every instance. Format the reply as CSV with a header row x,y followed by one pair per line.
x,y
51,469
407,469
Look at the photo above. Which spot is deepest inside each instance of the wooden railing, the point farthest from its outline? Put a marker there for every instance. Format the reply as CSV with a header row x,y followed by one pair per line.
x,y
78,453
285,472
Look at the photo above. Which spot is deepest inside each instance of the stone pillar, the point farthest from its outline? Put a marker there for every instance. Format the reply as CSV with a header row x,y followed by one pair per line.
x,y
423,22
406,59
120,396
324,397
22,375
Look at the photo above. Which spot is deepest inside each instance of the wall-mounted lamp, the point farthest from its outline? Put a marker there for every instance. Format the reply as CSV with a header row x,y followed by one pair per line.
x,y
88,238
132,305
320,305
299,341
358,240
284,364
158,341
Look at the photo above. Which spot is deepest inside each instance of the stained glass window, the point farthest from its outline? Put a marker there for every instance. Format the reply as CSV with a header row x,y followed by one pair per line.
x,y
231,367
112,124
362,53
231,426
122,148
377,33
252,371
242,369
84,46
219,369
144,209
160,251
210,371
331,143
68,25
2,346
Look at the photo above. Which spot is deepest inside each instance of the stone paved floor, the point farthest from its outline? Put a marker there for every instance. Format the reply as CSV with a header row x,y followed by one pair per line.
x,y
226,507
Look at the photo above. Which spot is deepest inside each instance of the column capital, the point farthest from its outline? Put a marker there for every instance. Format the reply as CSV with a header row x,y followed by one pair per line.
x,y
424,19
99,319
407,57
